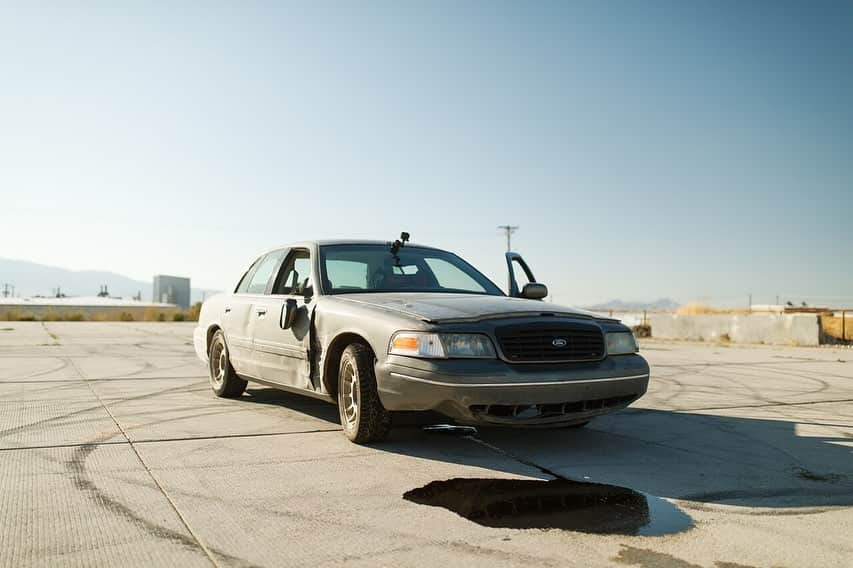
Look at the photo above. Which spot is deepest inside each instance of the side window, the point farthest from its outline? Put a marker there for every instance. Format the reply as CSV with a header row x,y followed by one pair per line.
x,y
519,274
265,270
521,277
295,275
451,277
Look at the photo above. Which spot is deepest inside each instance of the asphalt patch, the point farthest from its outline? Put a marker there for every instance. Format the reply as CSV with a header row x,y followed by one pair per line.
x,y
554,504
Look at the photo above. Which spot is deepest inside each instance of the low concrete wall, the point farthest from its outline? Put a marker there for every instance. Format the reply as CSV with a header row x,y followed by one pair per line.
x,y
772,329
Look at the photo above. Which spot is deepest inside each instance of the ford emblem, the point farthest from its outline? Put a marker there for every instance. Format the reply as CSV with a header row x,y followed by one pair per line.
x,y
559,342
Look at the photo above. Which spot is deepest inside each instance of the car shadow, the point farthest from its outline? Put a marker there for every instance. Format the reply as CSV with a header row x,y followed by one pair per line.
x,y
706,458
326,411
313,407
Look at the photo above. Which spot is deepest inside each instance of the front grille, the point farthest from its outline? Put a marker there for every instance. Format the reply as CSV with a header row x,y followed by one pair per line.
x,y
533,411
553,342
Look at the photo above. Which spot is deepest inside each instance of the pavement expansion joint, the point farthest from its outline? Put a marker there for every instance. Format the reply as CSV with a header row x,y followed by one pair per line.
x,y
157,483
177,439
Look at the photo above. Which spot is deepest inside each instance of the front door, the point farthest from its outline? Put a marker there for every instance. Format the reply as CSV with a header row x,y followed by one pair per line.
x,y
513,288
282,354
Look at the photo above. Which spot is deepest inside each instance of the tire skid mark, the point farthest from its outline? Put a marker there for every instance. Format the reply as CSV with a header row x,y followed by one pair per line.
x,y
674,393
741,380
80,479
763,405
785,373
45,389
739,363
370,529
145,346
101,379
52,419
63,363
837,429
152,528
690,367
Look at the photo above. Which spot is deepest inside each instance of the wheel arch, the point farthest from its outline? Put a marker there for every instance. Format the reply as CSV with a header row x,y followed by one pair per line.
x,y
211,330
332,360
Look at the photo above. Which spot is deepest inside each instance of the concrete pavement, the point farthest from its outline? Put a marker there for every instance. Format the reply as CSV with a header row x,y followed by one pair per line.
x,y
114,451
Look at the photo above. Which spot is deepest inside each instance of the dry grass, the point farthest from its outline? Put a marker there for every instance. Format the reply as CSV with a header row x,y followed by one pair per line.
x,y
696,308
127,315
50,315
832,326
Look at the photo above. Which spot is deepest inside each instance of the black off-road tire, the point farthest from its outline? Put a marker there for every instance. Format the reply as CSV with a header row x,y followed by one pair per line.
x,y
223,379
370,422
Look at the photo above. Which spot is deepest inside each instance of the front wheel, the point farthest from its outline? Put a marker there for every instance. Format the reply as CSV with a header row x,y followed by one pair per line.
x,y
363,417
223,379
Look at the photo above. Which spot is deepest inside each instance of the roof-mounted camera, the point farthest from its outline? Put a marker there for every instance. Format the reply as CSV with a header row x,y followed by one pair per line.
x,y
399,243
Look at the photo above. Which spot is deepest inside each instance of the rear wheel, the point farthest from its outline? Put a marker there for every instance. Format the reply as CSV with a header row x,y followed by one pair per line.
x,y
363,417
223,379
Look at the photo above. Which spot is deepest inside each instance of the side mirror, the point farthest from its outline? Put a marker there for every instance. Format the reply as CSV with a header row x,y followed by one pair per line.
x,y
534,291
288,314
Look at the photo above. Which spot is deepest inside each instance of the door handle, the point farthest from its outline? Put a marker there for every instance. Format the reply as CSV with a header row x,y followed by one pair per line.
x,y
261,310
227,309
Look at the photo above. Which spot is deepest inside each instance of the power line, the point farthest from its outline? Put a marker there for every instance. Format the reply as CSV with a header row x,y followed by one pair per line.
x,y
508,230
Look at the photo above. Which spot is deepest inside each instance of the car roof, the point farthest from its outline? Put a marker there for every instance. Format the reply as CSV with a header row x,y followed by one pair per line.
x,y
325,242
331,242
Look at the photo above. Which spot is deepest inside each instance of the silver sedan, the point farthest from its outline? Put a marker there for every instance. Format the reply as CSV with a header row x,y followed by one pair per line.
x,y
378,327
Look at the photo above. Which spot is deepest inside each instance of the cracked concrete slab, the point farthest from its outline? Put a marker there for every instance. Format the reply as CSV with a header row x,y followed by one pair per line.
x,y
114,451
87,505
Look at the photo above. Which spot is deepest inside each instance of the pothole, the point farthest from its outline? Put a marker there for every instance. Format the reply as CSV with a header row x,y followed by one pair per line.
x,y
556,504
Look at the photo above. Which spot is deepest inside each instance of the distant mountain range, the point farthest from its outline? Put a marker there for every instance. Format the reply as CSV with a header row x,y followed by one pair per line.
x,y
661,304
31,279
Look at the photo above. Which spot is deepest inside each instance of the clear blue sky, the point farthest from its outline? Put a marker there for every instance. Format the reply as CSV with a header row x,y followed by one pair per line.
x,y
646,149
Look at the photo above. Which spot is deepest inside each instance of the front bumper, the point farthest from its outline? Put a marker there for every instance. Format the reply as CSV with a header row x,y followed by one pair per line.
x,y
494,392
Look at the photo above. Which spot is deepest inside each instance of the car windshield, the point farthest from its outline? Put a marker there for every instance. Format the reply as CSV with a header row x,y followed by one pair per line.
x,y
348,269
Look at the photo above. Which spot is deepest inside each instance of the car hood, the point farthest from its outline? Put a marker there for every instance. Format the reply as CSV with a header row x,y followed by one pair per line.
x,y
440,307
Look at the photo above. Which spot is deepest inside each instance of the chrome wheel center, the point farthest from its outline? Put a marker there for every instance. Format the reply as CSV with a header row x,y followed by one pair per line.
x,y
349,390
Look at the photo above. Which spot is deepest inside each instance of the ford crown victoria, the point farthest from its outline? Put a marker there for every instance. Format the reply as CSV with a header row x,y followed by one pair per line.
x,y
378,327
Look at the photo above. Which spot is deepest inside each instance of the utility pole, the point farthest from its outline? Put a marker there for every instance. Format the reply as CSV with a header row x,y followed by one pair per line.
x,y
508,230
5,290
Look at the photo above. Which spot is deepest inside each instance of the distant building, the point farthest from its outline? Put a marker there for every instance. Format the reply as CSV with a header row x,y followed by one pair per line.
x,y
172,290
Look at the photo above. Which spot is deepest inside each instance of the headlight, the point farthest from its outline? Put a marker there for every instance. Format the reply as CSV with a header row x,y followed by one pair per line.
x,y
621,343
442,345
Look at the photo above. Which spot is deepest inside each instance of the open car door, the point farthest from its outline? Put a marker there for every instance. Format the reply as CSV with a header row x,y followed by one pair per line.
x,y
531,289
